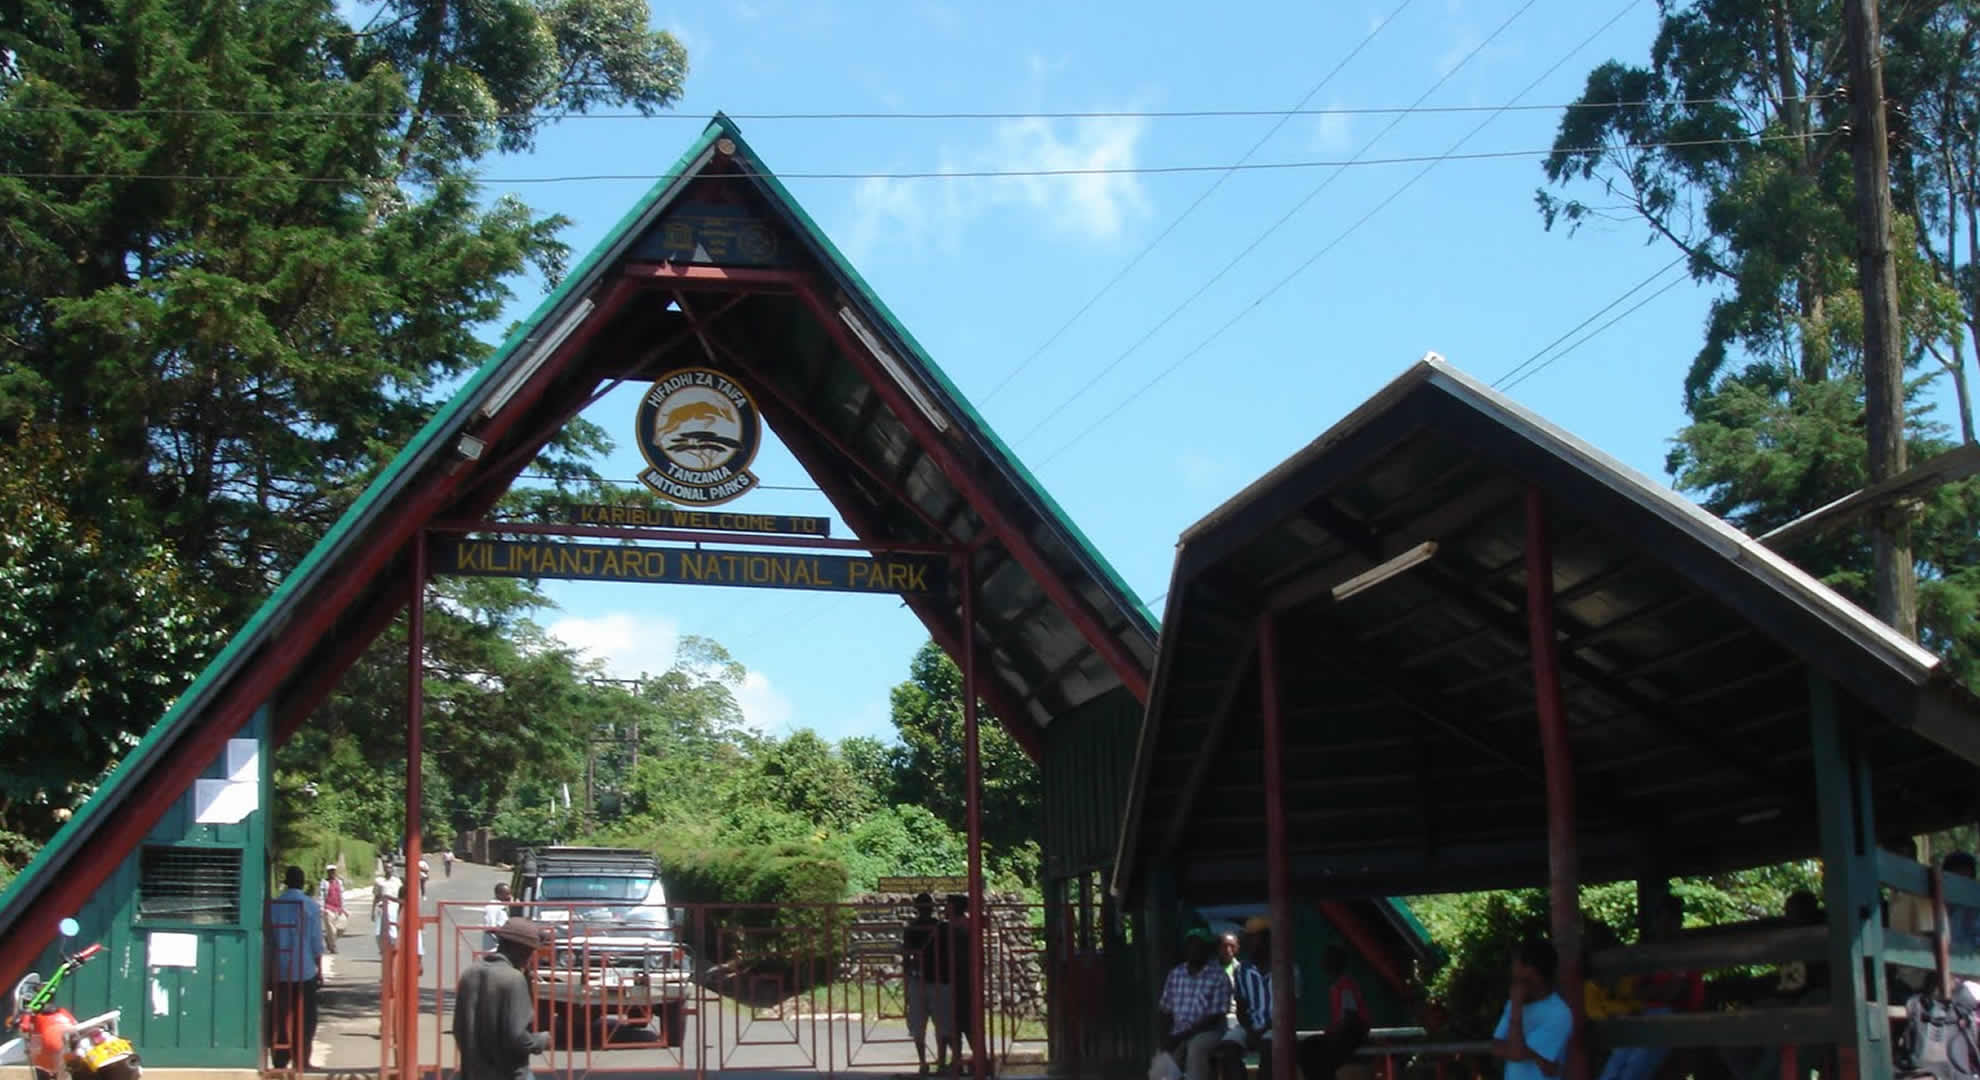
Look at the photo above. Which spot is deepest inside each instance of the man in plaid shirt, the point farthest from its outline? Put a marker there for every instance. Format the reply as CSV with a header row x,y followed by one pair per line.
x,y
1195,1000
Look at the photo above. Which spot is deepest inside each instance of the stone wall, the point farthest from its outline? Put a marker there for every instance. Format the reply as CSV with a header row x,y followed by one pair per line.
x,y
1013,953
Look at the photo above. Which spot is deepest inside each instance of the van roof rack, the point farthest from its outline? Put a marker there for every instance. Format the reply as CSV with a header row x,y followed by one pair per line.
x,y
565,860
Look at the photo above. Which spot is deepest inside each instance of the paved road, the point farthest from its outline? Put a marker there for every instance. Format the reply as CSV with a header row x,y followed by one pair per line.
x,y
736,1036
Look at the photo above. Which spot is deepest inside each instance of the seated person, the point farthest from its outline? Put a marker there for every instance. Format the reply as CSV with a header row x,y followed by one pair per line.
x,y
1664,992
1347,1023
1196,999
1533,1032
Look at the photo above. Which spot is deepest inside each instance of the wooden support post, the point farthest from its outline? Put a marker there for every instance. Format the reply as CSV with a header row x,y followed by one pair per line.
x,y
979,1039
409,898
1278,872
1563,860
1849,890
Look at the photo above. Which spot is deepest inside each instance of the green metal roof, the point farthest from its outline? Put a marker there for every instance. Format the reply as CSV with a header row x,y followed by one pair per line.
x,y
375,504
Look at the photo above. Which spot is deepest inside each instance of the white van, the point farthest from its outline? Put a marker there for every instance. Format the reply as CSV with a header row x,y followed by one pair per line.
x,y
617,971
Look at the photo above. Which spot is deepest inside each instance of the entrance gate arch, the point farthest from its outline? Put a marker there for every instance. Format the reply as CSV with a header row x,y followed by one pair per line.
x,y
716,269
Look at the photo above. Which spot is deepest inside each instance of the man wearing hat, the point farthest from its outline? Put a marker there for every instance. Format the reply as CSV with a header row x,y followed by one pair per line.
x,y
1195,999
492,1009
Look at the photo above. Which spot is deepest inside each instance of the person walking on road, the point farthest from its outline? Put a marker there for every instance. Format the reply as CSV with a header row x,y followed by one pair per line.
x,y
447,861
492,1010
924,964
330,898
494,915
961,982
298,925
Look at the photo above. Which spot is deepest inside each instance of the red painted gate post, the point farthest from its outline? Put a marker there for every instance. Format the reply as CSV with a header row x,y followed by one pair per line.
x,y
1563,860
409,931
973,785
1278,876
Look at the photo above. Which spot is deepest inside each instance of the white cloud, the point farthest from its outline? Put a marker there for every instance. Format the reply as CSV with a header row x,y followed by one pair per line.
x,y
1088,205
763,706
628,644
1331,131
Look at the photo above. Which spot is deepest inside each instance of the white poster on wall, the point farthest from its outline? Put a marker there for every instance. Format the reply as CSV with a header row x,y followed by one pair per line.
x,y
244,760
172,950
224,802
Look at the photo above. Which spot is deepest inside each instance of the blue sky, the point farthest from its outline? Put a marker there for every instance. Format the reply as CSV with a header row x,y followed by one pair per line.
x,y
985,271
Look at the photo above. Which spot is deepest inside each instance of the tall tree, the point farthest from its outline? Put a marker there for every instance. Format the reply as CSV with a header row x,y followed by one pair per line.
x,y
129,636
243,252
929,766
1728,145
244,244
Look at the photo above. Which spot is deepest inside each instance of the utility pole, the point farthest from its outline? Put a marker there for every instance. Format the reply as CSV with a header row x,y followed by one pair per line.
x,y
1894,582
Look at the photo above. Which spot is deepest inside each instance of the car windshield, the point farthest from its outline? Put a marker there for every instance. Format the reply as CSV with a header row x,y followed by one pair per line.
x,y
601,889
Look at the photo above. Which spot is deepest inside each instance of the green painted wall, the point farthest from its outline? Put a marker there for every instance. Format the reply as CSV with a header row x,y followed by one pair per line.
x,y
1089,762
1103,1013
213,1010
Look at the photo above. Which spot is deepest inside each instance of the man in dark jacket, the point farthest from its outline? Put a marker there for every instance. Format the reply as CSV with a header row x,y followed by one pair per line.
x,y
492,1010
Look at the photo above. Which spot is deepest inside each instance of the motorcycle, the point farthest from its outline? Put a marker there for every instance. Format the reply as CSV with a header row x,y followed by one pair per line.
x,y
52,1041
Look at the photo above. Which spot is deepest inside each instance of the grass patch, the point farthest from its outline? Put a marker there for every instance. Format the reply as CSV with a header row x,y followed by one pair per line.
x,y
890,1001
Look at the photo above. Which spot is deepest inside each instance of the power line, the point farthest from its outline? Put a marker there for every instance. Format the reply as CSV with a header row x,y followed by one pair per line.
x,y
1191,208
1065,401
1092,114
1512,377
1316,256
971,174
1631,310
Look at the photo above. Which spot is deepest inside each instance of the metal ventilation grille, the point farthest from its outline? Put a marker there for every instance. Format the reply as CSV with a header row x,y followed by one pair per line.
x,y
190,885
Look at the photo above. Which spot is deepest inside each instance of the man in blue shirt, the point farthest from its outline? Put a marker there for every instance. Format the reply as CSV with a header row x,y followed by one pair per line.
x,y
1533,1032
298,925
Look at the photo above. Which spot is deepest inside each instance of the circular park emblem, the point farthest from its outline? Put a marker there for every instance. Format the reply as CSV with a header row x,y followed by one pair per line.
x,y
699,431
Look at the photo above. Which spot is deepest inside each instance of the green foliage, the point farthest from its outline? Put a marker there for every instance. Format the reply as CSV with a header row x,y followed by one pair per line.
x,y
534,824
245,254
903,840
1766,447
1478,931
1728,146
928,764
97,626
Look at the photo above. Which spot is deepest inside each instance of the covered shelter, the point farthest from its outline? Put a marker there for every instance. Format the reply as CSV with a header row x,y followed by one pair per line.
x,y
1449,647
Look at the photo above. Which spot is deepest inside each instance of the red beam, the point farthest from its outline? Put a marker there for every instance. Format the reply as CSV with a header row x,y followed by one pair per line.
x,y
689,536
304,697
1563,861
1366,942
1082,616
409,930
936,622
77,879
973,815
322,681
754,278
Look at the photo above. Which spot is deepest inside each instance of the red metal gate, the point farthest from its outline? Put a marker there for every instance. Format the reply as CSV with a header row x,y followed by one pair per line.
x,y
726,988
